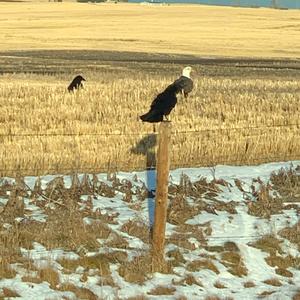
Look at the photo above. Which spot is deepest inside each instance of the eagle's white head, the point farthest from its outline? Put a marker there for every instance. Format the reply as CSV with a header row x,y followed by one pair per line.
x,y
187,71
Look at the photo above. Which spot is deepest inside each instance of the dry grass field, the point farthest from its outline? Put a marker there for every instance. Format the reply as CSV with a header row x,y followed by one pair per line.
x,y
98,128
184,29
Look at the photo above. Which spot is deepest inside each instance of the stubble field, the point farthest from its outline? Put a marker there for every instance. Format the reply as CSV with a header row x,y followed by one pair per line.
x,y
242,111
239,114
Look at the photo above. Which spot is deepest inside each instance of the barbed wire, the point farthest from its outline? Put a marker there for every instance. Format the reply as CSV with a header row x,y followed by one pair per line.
x,y
224,238
42,134
237,128
118,165
113,165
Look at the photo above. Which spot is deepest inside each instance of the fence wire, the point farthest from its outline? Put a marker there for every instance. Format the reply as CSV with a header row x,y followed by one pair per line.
x,y
119,165
217,129
115,165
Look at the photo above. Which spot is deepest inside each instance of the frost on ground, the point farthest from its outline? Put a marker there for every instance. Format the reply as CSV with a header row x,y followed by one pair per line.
x,y
232,233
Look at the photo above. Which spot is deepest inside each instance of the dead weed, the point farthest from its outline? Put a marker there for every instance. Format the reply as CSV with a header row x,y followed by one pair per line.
x,y
162,290
265,204
273,281
292,234
234,262
81,293
138,229
198,265
286,182
142,266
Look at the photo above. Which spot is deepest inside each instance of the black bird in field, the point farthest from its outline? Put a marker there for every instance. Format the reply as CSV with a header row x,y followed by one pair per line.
x,y
164,102
76,83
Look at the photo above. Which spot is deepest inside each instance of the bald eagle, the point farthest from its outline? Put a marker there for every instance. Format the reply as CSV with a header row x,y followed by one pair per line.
x,y
76,83
164,102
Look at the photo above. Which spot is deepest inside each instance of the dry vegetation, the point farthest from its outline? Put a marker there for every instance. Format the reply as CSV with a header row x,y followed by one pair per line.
x,y
121,85
66,230
276,257
297,296
234,262
104,117
162,290
273,281
287,184
292,234
248,32
281,193
249,284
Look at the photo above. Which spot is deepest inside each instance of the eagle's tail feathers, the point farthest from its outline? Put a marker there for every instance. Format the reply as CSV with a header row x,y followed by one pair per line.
x,y
151,117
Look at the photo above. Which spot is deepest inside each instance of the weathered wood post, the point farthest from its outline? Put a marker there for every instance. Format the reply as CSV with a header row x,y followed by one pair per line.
x,y
162,178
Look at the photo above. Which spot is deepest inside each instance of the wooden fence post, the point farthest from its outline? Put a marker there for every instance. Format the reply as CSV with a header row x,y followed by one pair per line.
x,y
161,199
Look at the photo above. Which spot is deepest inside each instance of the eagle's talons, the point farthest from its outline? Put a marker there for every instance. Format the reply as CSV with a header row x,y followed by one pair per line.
x,y
167,119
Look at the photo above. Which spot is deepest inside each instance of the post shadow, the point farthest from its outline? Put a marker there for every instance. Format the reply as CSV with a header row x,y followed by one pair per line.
x,y
146,146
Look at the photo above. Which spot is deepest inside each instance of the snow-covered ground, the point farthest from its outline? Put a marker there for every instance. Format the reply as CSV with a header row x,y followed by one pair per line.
x,y
220,227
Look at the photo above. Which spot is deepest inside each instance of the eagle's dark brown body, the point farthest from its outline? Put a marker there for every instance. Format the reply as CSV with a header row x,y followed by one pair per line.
x,y
164,102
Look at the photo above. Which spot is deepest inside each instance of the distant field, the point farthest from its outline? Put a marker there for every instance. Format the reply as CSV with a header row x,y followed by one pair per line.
x,y
183,29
